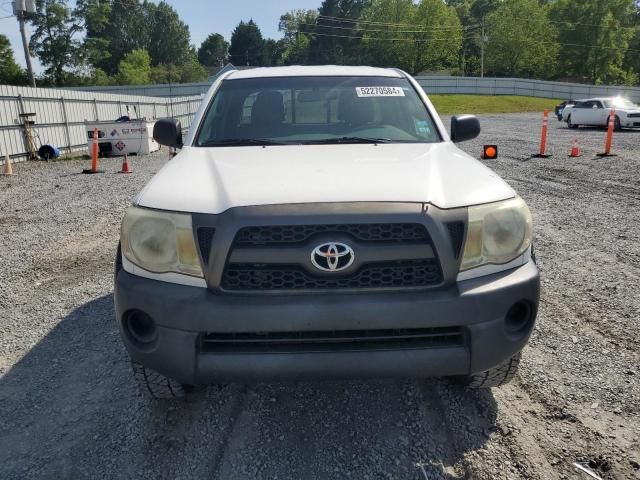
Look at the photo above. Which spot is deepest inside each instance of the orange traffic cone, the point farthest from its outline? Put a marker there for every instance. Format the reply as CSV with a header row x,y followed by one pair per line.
x,y
125,165
575,150
8,168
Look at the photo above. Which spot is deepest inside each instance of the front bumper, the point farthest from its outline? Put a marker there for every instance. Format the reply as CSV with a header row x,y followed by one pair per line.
x,y
633,122
182,314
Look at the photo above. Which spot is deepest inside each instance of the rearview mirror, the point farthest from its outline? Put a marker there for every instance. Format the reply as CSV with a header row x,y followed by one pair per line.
x,y
168,131
464,127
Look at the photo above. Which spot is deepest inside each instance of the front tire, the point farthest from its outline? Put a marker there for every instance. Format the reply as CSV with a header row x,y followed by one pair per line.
x,y
617,126
494,377
569,124
158,386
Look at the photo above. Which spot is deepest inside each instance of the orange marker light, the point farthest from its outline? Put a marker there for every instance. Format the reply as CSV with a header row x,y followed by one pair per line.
x,y
490,152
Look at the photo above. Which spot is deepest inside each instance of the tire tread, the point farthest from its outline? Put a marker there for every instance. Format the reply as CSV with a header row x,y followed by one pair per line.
x,y
157,385
496,376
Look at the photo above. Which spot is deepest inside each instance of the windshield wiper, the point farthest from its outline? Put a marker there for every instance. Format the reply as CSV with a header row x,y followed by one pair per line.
x,y
239,142
350,140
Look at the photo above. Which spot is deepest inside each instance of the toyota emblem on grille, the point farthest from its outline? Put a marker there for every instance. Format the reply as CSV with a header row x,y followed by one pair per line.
x,y
332,257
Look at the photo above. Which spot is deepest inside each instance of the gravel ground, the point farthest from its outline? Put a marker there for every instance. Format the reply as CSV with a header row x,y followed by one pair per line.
x,y
70,409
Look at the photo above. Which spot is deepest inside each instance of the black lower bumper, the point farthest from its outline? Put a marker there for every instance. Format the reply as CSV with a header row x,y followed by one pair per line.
x,y
183,314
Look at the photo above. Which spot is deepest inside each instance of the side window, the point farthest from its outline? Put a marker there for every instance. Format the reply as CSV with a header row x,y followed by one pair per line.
x,y
247,106
598,104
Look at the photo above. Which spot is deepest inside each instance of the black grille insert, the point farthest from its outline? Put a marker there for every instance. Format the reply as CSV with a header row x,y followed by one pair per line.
x,y
456,234
333,340
415,273
365,232
205,238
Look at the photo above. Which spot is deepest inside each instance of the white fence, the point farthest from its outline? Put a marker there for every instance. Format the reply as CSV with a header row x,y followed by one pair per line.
x,y
60,115
524,87
160,90
432,85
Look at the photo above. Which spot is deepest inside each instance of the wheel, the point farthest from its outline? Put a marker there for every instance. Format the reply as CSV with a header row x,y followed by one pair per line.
x,y
495,376
617,126
569,124
157,385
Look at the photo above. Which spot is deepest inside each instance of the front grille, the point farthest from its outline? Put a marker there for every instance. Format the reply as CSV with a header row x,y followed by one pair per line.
x,y
366,232
332,340
205,238
456,235
634,115
416,273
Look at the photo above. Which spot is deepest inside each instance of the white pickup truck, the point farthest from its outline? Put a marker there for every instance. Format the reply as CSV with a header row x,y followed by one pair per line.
x,y
595,112
321,222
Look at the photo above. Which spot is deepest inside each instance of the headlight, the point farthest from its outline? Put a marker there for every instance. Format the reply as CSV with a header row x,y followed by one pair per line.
x,y
160,242
497,233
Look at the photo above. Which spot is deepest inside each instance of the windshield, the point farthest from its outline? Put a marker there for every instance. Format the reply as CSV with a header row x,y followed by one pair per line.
x,y
619,103
307,110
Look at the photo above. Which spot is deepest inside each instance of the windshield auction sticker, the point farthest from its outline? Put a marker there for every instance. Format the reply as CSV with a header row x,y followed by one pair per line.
x,y
380,92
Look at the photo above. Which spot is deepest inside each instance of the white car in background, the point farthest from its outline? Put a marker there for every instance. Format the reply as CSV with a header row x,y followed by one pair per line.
x,y
596,111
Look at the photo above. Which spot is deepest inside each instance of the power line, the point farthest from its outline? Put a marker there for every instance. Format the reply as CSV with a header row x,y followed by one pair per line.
x,y
351,20
579,23
380,38
426,40
368,30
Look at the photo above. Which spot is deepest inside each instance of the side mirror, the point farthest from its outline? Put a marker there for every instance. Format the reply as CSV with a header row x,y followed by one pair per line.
x,y
464,127
168,131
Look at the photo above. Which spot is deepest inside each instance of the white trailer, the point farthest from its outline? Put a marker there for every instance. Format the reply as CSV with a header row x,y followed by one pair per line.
x,y
133,137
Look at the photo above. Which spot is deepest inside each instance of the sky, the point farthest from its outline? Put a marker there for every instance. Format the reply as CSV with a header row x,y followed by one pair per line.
x,y
202,16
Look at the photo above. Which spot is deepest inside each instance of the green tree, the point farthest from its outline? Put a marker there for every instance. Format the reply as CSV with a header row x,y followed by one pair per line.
x,y
296,26
167,37
632,60
54,39
135,68
100,78
336,38
191,71
247,45
413,37
10,71
595,39
213,50
273,51
165,74
521,40
387,33
94,16
127,31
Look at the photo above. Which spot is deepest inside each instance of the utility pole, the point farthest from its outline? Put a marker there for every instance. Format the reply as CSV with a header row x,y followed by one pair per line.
x,y
482,50
20,7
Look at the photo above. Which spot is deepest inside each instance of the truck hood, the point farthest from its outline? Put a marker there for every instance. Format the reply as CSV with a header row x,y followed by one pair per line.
x,y
212,180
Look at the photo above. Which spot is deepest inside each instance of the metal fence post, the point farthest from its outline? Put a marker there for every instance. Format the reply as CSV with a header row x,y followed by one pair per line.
x,y
66,123
21,122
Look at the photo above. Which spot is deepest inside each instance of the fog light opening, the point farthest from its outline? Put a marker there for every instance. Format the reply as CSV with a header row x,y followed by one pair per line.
x,y
140,326
519,316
